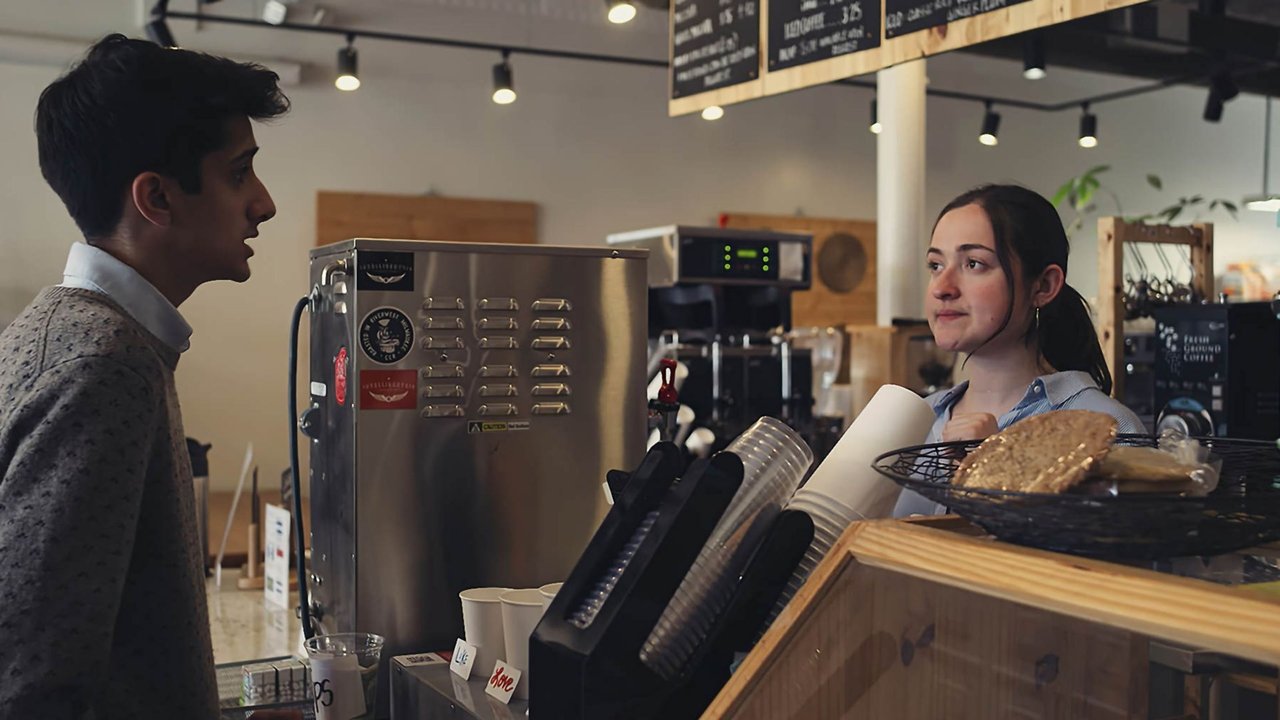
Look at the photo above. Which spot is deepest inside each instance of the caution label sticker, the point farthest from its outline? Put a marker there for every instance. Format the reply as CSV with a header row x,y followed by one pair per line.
x,y
483,426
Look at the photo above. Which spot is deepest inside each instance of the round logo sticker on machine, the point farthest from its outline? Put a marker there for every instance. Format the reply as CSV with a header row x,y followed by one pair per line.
x,y
386,335
340,376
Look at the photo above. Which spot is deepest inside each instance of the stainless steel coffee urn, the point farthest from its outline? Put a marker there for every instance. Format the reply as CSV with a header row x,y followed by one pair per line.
x,y
467,401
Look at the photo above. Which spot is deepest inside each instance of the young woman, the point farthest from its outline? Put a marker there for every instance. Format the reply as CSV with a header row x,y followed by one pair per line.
x,y
998,292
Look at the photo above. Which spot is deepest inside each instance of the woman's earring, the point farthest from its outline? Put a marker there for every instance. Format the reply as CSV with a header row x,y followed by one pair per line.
x,y
1037,317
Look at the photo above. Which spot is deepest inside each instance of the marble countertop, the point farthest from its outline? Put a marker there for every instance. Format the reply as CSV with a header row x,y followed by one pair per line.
x,y
244,626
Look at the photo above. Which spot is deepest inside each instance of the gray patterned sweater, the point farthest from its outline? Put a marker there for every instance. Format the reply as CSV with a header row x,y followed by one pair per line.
x,y
103,611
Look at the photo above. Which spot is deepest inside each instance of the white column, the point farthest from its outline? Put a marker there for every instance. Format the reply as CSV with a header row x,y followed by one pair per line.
x,y
902,229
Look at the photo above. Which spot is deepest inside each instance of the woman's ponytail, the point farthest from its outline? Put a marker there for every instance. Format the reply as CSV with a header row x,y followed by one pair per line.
x,y
1068,340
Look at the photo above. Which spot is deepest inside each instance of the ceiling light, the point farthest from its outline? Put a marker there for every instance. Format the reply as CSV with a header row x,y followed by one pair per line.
x,y
1033,64
712,112
1088,128
274,12
875,126
504,92
1267,201
990,127
1221,89
158,33
620,11
348,79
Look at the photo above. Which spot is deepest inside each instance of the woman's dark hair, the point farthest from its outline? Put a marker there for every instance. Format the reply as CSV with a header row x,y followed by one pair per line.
x,y
132,106
1026,226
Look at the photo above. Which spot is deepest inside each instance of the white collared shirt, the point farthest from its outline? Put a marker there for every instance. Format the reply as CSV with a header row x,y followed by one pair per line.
x,y
91,268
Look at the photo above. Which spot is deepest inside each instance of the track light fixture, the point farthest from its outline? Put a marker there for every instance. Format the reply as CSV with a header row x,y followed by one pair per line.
x,y
1088,128
158,33
620,11
504,92
348,78
990,127
275,12
1267,201
157,28
1033,65
875,126
1221,89
712,112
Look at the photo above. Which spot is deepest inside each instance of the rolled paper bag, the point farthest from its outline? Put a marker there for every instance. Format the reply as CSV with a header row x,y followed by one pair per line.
x,y
894,418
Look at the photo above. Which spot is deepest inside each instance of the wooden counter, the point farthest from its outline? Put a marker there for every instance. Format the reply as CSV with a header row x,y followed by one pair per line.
x,y
925,620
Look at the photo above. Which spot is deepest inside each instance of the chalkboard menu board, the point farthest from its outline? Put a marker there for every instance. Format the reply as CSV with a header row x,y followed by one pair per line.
x,y
908,16
714,44
805,31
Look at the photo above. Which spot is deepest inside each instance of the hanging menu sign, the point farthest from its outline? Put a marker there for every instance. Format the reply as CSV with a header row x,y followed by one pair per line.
x,y
714,44
907,16
805,31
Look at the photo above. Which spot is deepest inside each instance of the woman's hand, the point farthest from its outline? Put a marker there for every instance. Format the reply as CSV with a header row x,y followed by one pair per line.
x,y
969,426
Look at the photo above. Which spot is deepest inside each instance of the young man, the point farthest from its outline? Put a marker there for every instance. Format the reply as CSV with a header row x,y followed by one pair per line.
x,y
102,597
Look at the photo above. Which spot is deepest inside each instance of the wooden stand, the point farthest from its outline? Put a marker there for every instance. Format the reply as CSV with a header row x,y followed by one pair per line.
x,y
1113,234
878,356
920,620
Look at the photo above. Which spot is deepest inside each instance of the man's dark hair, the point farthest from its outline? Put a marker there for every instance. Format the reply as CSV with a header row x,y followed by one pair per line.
x,y
131,107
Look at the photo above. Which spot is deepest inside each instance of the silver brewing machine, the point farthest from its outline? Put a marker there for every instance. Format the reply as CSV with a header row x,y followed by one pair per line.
x,y
467,401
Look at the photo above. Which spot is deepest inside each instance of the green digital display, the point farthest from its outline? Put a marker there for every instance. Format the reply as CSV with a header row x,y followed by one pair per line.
x,y
749,253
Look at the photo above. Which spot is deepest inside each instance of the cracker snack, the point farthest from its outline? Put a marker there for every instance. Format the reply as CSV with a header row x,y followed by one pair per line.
x,y
1047,453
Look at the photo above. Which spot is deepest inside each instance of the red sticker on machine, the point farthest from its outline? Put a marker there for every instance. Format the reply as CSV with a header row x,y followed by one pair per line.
x,y
388,389
340,376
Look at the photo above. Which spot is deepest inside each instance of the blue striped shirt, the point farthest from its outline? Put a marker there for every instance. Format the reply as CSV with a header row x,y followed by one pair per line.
x,y
1069,390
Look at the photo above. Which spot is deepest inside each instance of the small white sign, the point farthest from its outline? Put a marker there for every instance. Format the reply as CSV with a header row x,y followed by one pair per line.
x,y
336,687
275,574
464,656
503,681
420,659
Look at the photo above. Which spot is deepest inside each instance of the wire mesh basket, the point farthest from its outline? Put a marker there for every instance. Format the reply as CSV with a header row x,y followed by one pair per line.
x,y
1242,512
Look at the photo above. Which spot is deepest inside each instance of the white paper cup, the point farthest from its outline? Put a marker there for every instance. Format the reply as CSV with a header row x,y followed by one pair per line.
x,y
549,591
482,624
521,611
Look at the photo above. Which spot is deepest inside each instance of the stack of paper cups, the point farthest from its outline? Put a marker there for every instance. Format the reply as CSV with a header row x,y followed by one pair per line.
x,y
774,461
844,488
482,623
521,611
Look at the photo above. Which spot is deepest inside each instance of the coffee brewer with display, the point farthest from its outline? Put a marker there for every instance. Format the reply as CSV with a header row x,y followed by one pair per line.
x,y
720,304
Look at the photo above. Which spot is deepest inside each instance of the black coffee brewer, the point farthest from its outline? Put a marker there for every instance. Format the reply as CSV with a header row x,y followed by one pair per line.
x,y
720,304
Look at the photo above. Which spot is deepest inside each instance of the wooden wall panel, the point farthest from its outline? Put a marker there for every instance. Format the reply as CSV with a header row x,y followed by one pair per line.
x,y
342,215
